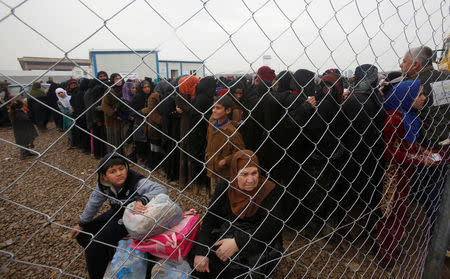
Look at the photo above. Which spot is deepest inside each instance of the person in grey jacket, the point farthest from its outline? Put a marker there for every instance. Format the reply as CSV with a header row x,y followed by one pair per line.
x,y
121,186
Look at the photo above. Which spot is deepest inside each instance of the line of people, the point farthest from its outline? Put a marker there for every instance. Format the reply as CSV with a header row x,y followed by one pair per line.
x,y
330,142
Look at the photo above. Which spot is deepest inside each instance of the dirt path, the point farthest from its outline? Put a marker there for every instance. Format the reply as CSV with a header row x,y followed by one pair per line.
x,y
45,201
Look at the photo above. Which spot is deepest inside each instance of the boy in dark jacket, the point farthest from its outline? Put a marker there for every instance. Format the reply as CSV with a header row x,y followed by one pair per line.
x,y
121,186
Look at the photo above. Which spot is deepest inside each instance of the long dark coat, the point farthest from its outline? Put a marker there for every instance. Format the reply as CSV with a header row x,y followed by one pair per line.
x,y
200,114
23,128
170,125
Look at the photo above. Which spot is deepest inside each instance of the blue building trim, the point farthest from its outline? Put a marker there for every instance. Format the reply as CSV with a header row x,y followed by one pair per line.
x,y
167,70
157,65
181,61
94,62
121,51
181,68
204,75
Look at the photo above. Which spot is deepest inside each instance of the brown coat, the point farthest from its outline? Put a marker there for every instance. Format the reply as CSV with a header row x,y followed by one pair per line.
x,y
154,116
218,140
110,106
236,115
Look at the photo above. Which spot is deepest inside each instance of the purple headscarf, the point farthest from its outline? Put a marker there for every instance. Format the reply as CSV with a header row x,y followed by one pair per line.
x,y
126,92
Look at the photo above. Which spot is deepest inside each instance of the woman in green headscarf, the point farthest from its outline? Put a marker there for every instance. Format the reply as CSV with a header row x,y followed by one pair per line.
x,y
36,90
39,112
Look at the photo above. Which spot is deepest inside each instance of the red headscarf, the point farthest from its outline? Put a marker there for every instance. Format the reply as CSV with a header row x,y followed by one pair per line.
x,y
222,92
266,73
239,199
187,85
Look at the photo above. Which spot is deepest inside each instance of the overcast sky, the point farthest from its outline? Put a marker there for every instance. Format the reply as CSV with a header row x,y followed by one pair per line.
x,y
231,35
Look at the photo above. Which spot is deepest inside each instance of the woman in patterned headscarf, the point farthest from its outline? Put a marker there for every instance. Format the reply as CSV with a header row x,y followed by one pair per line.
x,y
241,232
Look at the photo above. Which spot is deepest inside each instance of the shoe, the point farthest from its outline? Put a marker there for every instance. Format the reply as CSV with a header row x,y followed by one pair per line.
x,y
26,155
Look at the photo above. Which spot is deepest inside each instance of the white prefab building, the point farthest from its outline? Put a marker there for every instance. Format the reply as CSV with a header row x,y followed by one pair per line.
x,y
142,63
174,68
138,64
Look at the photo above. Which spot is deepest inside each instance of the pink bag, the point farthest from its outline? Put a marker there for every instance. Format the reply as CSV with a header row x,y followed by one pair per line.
x,y
173,244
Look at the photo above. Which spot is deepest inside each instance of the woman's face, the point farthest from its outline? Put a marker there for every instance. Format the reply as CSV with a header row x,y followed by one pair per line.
x,y
61,94
118,80
238,94
275,86
146,88
248,179
419,101
133,90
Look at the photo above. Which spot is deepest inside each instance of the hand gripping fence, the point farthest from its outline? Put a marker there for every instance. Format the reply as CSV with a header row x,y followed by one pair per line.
x,y
360,174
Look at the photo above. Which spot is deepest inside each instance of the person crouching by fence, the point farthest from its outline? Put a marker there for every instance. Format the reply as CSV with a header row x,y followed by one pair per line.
x,y
66,108
241,232
121,186
402,155
223,141
23,128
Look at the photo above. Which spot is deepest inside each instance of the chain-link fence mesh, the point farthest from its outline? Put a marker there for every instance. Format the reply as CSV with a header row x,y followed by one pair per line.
x,y
351,165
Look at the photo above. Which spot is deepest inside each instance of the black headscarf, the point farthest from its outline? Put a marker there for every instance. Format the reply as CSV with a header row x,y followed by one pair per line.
x,y
303,82
164,88
84,84
366,79
206,87
284,79
102,73
333,82
52,98
117,88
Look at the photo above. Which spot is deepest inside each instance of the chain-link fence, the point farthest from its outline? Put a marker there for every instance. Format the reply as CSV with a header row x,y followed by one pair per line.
x,y
338,171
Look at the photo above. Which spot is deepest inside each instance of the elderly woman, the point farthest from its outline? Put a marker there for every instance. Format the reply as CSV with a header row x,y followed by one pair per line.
x,y
241,232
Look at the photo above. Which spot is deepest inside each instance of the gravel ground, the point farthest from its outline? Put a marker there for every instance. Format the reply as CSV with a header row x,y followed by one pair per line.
x,y
47,197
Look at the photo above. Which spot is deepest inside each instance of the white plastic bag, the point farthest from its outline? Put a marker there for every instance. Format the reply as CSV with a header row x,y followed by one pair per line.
x,y
126,264
161,213
171,270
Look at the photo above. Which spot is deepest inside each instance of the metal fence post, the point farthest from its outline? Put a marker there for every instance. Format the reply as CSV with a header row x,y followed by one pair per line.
x,y
439,239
